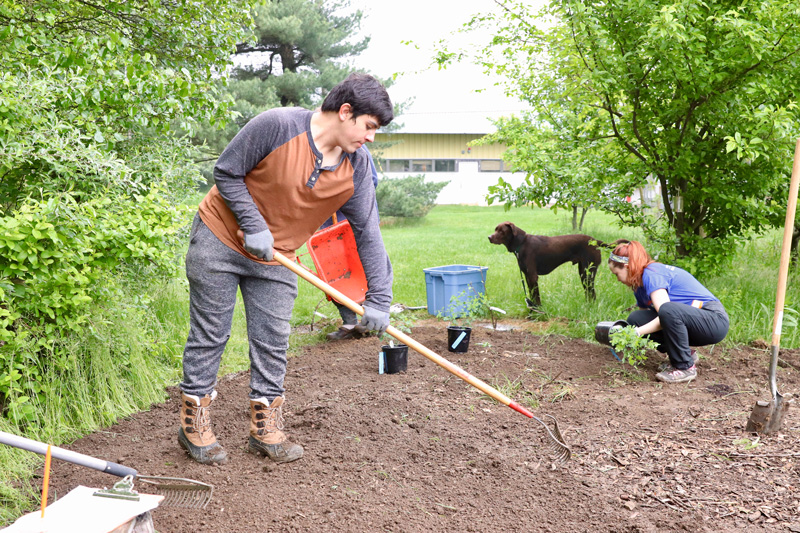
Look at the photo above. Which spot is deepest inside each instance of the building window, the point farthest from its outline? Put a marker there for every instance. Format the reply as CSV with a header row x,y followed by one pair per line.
x,y
418,165
397,165
421,165
444,165
491,165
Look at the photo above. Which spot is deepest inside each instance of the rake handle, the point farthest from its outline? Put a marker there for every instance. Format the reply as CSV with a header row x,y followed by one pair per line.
x,y
66,455
403,338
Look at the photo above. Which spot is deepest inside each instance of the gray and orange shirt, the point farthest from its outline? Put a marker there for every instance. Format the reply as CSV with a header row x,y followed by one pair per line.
x,y
270,177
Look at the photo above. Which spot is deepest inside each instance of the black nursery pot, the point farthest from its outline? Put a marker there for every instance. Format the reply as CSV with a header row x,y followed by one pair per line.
x,y
601,331
458,338
396,358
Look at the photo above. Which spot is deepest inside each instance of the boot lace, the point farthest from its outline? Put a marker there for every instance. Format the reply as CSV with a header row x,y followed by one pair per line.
x,y
202,420
274,419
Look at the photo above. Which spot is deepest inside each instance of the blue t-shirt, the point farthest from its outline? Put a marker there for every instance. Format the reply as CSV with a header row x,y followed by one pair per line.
x,y
681,286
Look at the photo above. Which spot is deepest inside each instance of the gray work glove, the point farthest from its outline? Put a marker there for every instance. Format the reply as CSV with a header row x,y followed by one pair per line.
x,y
259,244
375,320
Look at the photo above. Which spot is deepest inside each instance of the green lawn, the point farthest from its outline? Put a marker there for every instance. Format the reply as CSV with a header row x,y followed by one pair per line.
x,y
458,235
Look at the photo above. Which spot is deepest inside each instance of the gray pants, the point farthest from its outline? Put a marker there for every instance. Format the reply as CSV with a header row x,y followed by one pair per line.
x,y
348,317
215,273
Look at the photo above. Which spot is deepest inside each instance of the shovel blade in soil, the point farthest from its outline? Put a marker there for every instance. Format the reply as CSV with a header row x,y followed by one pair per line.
x,y
767,417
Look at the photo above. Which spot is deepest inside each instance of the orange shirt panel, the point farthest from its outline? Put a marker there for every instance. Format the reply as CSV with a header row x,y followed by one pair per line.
x,y
293,211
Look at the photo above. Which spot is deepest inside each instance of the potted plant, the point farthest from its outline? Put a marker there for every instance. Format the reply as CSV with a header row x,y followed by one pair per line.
x,y
393,358
462,310
632,348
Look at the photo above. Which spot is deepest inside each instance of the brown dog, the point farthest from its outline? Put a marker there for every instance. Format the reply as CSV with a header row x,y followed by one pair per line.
x,y
538,255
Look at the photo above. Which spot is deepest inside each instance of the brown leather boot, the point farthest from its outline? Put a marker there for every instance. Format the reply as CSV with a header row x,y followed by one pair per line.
x,y
195,434
266,437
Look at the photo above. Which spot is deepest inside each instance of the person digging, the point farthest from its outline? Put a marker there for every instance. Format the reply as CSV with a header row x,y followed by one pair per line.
x,y
277,181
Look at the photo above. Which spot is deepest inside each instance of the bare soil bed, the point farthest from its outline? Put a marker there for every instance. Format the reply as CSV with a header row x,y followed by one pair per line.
x,y
424,451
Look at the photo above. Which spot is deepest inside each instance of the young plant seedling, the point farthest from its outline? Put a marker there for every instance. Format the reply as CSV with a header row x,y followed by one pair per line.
x,y
465,307
632,348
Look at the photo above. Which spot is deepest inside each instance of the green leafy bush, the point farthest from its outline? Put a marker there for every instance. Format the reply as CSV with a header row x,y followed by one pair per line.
x,y
60,257
409,197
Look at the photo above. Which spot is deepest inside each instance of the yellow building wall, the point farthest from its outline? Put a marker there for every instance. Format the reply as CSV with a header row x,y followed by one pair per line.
x,y
436,146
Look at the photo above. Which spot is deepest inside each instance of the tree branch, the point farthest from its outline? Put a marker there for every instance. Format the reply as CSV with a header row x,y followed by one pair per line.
x,y
517,16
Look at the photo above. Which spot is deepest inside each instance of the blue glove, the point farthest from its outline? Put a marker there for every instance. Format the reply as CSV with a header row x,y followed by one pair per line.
x,y
375,320
259,244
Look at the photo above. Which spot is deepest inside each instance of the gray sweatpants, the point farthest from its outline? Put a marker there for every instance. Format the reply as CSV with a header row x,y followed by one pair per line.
x,y
215,273
348,317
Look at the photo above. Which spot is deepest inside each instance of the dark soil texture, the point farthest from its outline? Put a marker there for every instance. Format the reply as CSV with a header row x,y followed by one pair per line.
x,y
425,451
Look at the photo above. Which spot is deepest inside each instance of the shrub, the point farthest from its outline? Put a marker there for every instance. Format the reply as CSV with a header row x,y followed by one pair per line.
x,y
60,258
465,307
408,197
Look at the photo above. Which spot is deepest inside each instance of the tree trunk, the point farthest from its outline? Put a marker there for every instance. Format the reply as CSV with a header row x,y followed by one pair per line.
x,y
680,230
583,217
288,64
574,217
679,221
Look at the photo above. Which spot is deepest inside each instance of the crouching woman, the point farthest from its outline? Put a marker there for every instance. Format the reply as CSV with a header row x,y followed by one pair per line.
x,y
675,310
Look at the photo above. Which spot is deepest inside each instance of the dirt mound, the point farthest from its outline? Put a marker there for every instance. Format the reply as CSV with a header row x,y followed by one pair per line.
x,y
424,451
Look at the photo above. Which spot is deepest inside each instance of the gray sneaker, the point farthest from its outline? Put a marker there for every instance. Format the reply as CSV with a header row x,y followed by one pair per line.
x,y
666,365
673,375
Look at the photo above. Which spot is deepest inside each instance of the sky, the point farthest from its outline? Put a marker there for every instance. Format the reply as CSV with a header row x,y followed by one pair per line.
x,y
438,92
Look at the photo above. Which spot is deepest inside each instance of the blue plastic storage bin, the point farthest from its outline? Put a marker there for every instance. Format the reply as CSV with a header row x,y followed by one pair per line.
x,y
462,282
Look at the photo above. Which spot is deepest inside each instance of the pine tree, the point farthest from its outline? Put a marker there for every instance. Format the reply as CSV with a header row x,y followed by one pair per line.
x,y
300,49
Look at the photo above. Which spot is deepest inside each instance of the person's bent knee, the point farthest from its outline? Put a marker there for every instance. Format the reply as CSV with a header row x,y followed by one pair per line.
x,y
640,317
669,312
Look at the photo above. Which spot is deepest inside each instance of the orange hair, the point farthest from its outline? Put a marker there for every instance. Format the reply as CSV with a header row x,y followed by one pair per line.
x,y
638,259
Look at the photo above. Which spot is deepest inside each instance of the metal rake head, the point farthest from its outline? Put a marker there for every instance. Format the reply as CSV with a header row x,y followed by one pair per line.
x,y
179,492
554,440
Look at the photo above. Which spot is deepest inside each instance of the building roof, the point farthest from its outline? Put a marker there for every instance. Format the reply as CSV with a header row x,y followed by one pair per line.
x,y
453,122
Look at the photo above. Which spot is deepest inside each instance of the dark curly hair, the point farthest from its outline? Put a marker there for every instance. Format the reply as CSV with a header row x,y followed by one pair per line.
x,y
366,96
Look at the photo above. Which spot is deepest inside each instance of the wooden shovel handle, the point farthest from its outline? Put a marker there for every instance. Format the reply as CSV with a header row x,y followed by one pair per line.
x,y
405,339
788,227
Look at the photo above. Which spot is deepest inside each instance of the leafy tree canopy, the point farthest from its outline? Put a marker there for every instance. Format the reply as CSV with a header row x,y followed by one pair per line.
x,y
698,97
89,91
